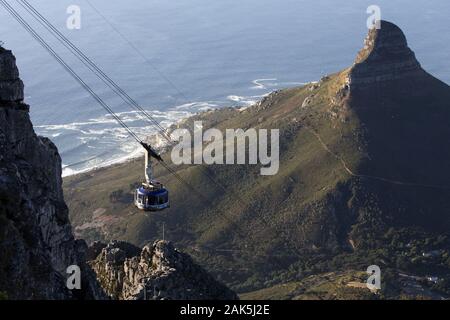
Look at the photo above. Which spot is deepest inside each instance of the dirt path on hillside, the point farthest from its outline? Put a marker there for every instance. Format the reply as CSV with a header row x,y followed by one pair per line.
x,y
364,176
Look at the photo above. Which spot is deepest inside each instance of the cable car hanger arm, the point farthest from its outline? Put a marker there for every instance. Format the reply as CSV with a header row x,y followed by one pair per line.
x,y
151,151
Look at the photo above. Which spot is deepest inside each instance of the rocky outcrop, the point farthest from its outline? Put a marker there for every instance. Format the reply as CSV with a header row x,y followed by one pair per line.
x,y
385,57
11,87
157,272
36,240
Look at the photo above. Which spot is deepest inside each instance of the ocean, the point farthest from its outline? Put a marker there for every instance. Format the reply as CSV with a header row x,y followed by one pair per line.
x,y
177,58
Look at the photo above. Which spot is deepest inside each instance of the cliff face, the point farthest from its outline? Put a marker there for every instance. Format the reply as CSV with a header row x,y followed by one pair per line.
x,y
384,57
11,87
36,238
125,272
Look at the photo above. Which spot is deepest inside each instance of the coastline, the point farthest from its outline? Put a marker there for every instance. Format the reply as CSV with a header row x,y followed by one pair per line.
x,y
138,153
241,103
156,140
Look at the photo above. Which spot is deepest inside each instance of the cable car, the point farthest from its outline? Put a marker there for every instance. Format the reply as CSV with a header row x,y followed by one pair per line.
x,y
151,195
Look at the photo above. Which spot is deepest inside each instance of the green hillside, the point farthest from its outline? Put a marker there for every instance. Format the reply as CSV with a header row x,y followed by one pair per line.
x,y
364,179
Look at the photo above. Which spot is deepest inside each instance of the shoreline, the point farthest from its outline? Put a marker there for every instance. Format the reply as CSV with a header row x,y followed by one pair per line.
x,y
138,153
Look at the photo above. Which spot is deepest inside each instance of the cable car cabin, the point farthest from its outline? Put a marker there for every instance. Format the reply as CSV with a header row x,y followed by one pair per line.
x,y
152,197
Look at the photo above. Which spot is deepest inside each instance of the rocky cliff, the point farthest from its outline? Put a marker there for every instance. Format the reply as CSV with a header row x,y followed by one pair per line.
x,y
11,87
157,272
36,240
384,57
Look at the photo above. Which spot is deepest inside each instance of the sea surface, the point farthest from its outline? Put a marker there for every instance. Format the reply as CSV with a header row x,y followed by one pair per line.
x,y
179,57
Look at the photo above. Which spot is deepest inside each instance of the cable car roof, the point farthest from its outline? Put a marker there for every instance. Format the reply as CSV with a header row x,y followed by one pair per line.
x,y
145,191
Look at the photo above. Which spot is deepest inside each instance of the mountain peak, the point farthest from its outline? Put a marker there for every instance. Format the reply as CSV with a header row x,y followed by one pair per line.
x,y
384,57
388,40
11,87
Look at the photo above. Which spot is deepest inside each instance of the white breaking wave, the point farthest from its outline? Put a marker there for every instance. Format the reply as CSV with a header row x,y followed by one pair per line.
x,y
104,134
264,84
260,85
247,101
68,171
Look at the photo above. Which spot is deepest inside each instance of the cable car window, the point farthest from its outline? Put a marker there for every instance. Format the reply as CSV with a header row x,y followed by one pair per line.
x,y
151,200
163,199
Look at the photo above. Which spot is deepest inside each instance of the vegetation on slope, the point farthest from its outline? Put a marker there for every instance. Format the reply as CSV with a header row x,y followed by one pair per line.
x,y
363,180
